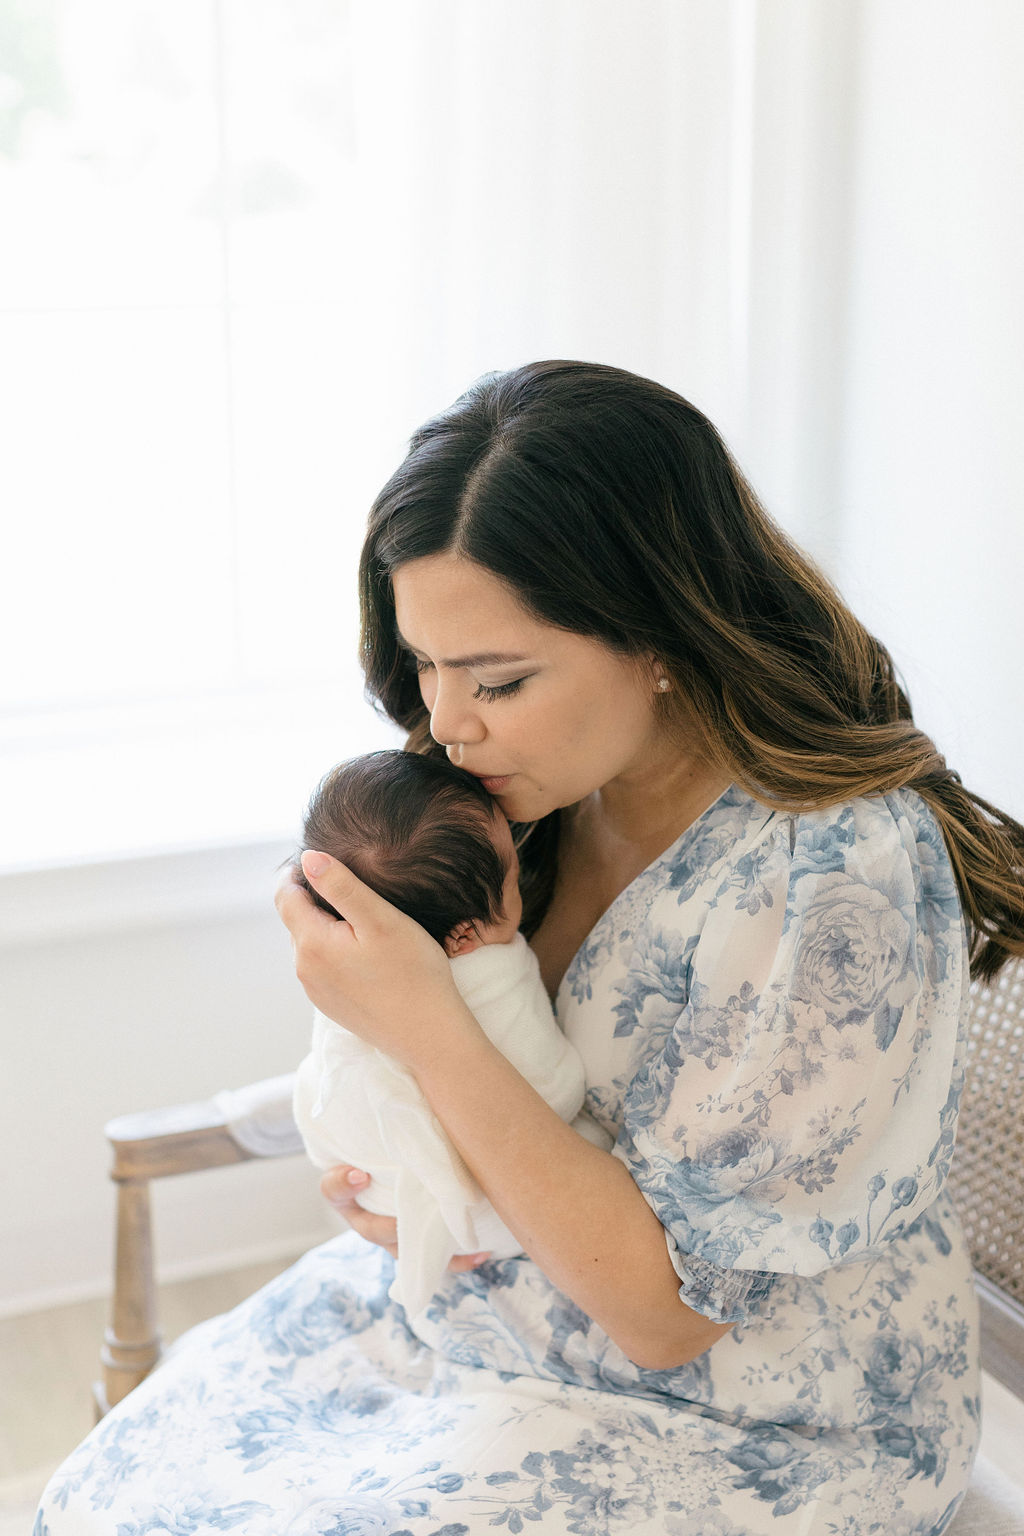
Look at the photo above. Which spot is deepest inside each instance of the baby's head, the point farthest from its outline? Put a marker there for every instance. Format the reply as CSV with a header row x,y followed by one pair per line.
x,y
428,838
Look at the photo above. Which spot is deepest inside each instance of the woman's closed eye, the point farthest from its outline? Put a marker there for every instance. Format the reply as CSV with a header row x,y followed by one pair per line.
x,y
500,691
488,692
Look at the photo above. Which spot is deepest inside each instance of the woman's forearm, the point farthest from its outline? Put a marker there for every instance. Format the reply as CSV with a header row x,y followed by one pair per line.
x,y
574,1208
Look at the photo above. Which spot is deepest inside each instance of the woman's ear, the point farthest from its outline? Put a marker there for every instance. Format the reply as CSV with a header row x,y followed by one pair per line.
x,y
462,939
661,682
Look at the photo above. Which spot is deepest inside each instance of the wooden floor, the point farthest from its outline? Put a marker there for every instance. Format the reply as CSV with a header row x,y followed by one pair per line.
x,y
48,1361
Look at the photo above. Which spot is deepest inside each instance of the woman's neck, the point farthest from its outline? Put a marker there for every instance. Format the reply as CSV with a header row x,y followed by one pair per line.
x,y
650,806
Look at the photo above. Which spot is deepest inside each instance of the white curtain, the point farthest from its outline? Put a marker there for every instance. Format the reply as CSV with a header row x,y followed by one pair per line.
x,y
249,246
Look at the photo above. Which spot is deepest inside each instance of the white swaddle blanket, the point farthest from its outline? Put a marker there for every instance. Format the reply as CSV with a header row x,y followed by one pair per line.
x,y
355,1105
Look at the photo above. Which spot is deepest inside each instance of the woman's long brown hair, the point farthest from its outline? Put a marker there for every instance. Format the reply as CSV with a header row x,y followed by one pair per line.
x,y
613,509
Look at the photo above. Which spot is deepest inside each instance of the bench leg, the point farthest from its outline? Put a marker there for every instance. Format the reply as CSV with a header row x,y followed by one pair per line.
x,y
131,1343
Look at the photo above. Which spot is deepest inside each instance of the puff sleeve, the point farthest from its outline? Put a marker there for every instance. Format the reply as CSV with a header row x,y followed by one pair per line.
x,y
801,1110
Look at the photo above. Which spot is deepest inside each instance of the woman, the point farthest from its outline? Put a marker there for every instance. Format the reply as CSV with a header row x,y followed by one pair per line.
x,y
756,893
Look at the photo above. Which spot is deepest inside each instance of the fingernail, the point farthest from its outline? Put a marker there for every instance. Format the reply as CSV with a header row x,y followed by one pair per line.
x,y
479,1258
355,1177
313,865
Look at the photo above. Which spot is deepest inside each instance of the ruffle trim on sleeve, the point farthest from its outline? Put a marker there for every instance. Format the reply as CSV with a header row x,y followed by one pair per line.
x,y
721,1295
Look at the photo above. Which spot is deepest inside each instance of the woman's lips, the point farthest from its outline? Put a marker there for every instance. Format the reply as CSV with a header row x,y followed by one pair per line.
x,y
494,784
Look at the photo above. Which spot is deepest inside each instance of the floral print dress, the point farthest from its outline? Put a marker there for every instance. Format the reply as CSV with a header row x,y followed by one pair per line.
x,y
772,1022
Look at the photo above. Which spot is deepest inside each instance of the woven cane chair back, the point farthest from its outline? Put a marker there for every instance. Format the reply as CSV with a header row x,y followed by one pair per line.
x,y
987,1176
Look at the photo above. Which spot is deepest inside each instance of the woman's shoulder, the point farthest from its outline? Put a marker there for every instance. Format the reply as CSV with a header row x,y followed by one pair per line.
x,y
867,824
875,838
850,891
745,851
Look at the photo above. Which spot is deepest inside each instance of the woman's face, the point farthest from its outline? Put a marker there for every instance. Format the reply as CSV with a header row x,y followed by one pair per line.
x,y
556,714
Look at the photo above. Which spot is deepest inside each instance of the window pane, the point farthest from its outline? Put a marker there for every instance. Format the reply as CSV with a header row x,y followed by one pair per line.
x,y
118,579
109,155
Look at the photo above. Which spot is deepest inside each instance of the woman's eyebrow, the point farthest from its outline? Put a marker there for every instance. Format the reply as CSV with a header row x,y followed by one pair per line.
x,y
481,659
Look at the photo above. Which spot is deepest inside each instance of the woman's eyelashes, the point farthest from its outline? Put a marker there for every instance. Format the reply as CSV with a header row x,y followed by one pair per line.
x,y
484,691
502,691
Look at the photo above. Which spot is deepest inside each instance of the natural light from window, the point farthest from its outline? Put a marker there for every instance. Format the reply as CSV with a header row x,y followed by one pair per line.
x,y
187,464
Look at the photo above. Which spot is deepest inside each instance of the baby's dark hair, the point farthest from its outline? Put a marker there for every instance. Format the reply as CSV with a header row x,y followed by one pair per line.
x,y
416,829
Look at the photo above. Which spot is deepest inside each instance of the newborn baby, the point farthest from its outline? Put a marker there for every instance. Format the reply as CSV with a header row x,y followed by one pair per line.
x,y
429,838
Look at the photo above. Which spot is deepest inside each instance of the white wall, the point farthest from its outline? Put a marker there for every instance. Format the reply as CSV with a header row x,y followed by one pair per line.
x,y
141,1006
931,491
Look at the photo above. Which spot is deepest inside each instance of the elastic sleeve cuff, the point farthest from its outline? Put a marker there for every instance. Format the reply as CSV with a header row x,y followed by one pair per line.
x,y
721,1295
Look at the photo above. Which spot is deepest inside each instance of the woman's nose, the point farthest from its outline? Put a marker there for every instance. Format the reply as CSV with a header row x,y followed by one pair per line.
x,y
453,718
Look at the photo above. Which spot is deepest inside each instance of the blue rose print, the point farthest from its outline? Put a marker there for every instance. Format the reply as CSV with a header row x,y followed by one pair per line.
x,y
740,1161
853,957
660,969
894,1368
776,1470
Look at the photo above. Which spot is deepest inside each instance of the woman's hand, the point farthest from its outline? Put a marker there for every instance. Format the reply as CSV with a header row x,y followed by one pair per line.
x,y
382,976
377,972
341,1189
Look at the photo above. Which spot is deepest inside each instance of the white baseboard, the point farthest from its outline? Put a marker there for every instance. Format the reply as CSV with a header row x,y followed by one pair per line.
x,y
46,1299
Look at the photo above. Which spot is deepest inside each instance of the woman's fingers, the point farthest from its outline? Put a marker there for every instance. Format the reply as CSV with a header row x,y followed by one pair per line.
x,y
295,908
342,1186
464,1261
358,904
381,1230
342,1191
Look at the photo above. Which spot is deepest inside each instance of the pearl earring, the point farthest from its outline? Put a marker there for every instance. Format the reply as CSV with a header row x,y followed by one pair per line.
x,y
663,685
457,753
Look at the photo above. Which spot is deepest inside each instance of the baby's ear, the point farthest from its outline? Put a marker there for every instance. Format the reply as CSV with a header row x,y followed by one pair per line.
x,y
461,940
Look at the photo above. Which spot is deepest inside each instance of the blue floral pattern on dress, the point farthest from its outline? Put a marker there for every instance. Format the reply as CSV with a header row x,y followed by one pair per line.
x,y
772,1023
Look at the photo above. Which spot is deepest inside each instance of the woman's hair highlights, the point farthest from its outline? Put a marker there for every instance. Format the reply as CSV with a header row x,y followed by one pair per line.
x,y
613,509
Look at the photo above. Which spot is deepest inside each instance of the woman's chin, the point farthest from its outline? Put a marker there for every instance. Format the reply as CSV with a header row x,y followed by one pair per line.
x,y
519,807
